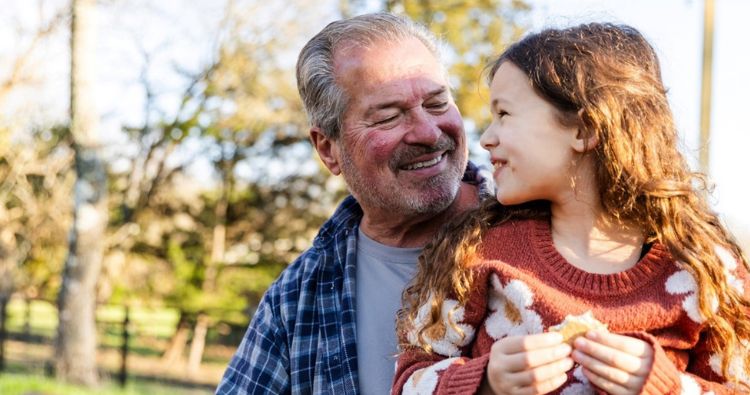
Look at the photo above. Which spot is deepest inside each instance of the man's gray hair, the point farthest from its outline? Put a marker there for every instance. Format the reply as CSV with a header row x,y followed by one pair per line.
x,y
324,100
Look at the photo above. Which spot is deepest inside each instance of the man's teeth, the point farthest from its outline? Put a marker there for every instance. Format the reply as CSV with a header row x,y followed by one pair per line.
x,y
419,165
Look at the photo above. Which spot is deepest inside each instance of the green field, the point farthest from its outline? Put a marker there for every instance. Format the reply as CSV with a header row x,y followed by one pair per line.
x,y
29,349
18,384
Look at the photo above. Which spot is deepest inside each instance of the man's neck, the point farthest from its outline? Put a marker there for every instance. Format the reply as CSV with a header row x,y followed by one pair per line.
x,y
415,231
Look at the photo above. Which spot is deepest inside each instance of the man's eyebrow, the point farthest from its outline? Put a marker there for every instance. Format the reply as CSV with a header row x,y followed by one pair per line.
x,y
437,91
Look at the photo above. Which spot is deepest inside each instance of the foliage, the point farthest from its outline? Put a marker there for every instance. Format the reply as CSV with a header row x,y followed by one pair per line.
x,y
476,31
211,199
35,177
257,196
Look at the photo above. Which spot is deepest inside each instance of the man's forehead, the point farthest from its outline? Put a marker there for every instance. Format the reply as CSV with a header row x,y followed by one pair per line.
x,y
384,59
405,68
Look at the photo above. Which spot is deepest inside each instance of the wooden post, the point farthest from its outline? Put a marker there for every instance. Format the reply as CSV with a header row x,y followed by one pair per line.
x,y
708,50
3,333
123,377
27,319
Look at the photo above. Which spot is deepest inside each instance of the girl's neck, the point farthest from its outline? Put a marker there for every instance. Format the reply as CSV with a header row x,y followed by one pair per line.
x,y
591,240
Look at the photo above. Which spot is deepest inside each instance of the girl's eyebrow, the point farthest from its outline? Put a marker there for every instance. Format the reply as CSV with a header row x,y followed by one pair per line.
x,y
498,100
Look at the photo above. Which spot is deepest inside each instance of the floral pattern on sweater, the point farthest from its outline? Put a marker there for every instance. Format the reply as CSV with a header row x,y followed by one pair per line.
x,y
456,334
511,315
524,286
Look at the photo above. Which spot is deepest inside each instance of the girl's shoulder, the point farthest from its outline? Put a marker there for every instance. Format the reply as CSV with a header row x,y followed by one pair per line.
x,y
515,228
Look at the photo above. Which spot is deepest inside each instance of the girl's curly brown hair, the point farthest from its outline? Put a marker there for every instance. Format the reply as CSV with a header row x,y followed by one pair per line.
x,y
605,79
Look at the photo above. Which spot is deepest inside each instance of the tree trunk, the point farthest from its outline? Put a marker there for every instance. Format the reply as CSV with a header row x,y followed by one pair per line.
x,y
198,344
76,335
177,345
218,250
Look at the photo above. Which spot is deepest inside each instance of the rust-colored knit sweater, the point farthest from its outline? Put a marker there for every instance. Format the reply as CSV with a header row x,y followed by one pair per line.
x,y
524,286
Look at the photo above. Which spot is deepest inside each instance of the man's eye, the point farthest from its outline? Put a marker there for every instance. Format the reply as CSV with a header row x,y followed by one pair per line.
x,y
386,120
438,106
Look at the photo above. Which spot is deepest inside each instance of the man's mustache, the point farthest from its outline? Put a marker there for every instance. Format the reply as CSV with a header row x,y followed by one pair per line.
x,y
406,154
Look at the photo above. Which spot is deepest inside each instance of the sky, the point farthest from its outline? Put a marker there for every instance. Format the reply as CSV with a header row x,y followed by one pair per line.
x,y
674,27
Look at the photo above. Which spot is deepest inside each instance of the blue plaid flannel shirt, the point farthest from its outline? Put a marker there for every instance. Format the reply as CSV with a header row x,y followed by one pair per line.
x,y
302,338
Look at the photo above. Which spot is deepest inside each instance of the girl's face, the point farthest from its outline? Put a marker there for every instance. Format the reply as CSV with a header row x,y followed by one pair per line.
x,y
531,152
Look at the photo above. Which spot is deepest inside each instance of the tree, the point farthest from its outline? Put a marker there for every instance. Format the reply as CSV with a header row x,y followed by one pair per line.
x,y
476,31
34,172
76,334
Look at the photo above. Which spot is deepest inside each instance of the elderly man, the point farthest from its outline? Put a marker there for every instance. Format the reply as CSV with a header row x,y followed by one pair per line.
x,y
382,116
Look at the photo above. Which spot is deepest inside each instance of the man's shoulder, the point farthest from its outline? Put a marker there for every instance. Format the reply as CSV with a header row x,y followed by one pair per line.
x,y
329,244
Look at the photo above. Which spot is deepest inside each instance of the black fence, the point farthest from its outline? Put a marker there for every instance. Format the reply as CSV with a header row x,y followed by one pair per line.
x,y
121,330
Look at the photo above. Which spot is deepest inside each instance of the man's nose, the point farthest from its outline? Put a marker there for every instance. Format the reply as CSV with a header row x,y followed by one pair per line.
x,y
424,129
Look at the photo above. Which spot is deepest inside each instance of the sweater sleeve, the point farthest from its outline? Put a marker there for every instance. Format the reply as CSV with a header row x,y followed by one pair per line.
x,y
450,368
664,377
418,372
704,373
700,376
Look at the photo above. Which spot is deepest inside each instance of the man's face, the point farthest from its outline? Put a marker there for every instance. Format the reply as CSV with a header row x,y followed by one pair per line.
x,y
402,144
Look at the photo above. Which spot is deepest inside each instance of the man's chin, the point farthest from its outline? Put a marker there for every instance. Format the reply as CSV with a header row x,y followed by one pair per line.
x,y
431,201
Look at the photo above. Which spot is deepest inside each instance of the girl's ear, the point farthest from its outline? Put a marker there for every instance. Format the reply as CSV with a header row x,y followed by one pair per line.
x,y
585,141
328,150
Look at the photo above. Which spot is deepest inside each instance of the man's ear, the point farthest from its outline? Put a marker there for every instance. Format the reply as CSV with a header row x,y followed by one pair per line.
x,y
328,150
585,141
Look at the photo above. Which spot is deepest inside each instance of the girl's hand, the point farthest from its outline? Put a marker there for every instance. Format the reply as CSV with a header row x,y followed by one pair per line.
x,y
615,363
528,365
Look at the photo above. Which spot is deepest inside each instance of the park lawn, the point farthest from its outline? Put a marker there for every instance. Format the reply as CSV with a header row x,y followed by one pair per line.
x,y
20,384
34,326
153,322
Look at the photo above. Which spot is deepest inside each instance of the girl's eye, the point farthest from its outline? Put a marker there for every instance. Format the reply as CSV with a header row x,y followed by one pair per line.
x,y
502,113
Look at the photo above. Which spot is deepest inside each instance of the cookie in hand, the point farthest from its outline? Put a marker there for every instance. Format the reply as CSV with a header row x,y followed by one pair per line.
x,y
577,325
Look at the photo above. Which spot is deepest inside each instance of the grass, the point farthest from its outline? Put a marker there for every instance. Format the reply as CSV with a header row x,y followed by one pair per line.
x,y
146,326
19,384
42,317
159,323
150,331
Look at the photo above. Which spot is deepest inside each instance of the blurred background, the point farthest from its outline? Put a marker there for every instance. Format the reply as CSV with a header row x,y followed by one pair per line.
x,y
155,173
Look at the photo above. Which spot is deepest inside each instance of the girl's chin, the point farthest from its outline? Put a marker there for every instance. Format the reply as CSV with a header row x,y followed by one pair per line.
x,y
507,200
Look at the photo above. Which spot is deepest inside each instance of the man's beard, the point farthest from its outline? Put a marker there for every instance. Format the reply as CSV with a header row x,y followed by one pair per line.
x,y
431,197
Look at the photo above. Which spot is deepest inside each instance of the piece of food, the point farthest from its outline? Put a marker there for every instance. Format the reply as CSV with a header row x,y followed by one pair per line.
x,y
577,325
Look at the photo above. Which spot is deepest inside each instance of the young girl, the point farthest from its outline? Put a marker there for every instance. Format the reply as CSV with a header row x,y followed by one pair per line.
x,y
597,215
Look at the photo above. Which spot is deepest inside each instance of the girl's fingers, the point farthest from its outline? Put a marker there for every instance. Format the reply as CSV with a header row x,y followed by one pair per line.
x,y
541,374
614,357
549,385
518,344
541,387
609,373
630,345
606,385
535,358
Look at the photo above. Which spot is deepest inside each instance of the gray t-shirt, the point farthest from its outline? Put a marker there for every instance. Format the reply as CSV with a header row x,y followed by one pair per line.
x,y
382,274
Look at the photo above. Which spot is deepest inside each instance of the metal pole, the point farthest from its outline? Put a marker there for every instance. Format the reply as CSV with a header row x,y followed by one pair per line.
x,y
708,49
